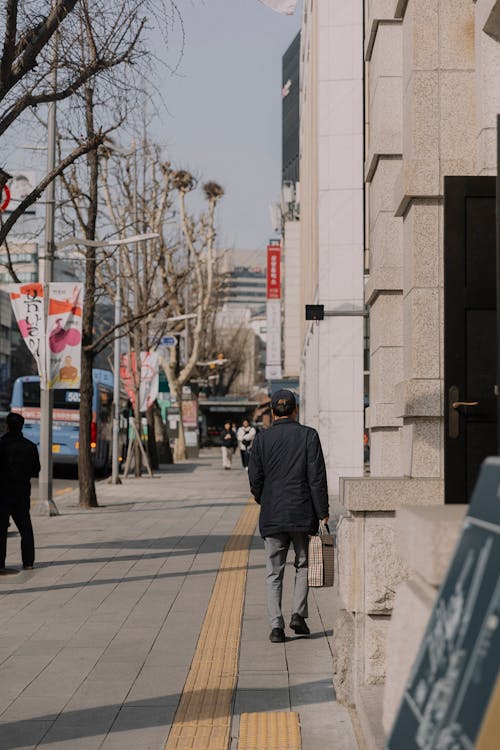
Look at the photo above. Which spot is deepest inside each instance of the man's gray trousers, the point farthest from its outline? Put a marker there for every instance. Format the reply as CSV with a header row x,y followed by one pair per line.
x,y
277,548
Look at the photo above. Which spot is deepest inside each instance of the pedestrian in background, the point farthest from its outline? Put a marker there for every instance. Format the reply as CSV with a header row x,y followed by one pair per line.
x,y
246,435
229,444
288,479
19,461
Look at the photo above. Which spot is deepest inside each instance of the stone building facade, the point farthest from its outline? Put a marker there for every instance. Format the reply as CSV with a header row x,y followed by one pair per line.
x,y
431,87
331,230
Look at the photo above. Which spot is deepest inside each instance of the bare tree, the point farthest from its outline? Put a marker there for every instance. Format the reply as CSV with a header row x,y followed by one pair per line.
x,y
98,101
179,270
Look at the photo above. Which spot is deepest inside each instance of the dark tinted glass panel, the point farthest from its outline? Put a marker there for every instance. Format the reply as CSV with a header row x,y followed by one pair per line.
x,y
480,271
480,354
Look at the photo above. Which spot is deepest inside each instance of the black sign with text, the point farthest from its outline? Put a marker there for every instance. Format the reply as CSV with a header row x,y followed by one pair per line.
x,y
457,666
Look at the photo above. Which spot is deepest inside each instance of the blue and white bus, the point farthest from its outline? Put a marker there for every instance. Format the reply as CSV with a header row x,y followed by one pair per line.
x,y
66,418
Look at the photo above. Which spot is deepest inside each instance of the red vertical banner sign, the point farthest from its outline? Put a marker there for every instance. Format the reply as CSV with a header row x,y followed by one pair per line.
x,y
273,272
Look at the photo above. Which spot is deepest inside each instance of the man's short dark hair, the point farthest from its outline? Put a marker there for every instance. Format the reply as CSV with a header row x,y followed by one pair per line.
x,y
283,403
15,422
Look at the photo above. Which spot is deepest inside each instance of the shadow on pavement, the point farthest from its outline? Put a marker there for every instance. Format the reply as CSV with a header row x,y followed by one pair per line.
x,y
189,544
141,714
107,581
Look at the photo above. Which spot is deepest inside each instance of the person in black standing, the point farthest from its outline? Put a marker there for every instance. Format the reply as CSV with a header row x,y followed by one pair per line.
x,y
228,443
19,461
288,479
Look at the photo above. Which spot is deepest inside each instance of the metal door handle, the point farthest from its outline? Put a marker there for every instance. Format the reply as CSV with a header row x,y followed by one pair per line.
x,y
458,404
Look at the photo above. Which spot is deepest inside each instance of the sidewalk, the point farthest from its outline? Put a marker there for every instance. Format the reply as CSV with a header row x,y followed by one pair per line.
x,y
96,644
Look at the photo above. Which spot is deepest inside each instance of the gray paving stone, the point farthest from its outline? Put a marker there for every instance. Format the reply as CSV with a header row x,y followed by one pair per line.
x,y
96,643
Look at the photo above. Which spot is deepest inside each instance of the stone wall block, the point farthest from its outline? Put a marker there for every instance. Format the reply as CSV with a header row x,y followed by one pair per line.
x,y
426,538
385,454
381,415
382,187
386,368
420,38
386,321
421,245
421,117
412,609
386,118
426,446
375,639
383,566
343,648
386,243
419,398
421,323
456,35
457,131
350,561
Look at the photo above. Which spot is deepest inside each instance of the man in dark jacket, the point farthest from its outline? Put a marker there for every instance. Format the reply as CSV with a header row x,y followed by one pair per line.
x,y
19,462
288,479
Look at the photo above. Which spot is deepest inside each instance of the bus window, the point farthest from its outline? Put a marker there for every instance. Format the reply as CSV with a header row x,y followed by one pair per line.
x,y
64,398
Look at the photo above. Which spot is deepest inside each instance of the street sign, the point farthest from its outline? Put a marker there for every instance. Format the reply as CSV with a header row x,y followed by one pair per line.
x,y
169,340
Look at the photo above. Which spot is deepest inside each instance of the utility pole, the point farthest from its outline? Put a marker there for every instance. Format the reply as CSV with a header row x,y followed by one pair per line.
x,y
45,272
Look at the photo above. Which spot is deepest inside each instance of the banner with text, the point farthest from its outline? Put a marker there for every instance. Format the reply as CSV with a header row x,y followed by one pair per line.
x,y
273,340
27,302
64,328
273,272
149,381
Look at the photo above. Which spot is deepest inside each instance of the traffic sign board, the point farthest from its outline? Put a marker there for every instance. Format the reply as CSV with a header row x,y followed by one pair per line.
x,y
169,340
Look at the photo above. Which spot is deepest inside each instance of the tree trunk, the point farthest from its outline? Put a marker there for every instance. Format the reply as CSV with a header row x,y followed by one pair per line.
x,y
88,497
161,435
152,446
180,443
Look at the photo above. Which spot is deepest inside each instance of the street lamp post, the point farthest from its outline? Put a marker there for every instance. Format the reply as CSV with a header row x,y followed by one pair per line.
x,y
115,479
46,505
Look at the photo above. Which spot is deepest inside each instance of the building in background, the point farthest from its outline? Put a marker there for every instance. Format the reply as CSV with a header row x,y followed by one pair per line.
x,y
290,209
244,282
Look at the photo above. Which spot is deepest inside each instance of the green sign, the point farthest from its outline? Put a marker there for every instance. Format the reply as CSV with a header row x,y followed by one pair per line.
x,y
163,383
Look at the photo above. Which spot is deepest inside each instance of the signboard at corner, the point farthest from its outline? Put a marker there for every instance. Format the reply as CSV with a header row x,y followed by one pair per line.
x,y
452,697
273,272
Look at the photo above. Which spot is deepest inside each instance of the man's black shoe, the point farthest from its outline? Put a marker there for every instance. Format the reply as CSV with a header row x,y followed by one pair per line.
x,y
277,635
298,624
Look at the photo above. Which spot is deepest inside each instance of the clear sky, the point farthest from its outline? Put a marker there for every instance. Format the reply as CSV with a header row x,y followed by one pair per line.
x,y
224,108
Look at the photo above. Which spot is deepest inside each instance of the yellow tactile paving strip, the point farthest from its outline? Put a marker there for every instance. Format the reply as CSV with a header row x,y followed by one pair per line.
x,y
278,730
203,716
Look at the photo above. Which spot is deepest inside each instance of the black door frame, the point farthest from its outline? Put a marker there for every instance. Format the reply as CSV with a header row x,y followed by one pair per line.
x,y
455,190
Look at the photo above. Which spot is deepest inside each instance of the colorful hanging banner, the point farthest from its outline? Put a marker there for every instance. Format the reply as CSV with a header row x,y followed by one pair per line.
x,y
29,310
64,328
149,383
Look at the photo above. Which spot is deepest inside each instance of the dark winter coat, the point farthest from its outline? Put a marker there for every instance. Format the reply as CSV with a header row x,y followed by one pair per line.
x,y
288,478
232,441
19,462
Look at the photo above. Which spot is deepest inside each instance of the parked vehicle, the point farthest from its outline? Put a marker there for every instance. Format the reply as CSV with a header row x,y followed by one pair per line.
x,y
66,418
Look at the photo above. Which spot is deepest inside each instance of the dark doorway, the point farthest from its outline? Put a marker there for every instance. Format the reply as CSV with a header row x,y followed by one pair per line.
x,y
469,331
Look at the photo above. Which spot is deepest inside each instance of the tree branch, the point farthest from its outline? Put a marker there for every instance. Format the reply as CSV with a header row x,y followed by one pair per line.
x,y
83,148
